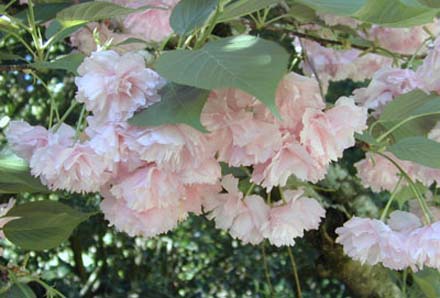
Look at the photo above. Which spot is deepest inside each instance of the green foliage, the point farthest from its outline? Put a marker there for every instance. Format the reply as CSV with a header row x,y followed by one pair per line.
x,y
244,7
428,282
393,13
15,176
19,290
68,62
42,224
246,62
418,149
179,104
191,14
413,108
91,11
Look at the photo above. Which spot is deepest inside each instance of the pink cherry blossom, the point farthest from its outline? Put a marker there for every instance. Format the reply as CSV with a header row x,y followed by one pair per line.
x,y
113,87
400,40
84,41
385,85
403,221
336,65
424,246
225,207
428,72
295,94
149,187
290,219
247,224
148,223
171,146
378,173
24,139
327,134
240,137
69,165
152,25
362,239
291,159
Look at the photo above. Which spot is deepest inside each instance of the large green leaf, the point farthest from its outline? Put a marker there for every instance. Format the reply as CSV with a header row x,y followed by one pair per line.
x,y
43,12
244,7
69,62
418,149
15,175
411,105
191,14
246,62
430,3
42,224
395,13
19,290
179,104
91,11
337,7
428,280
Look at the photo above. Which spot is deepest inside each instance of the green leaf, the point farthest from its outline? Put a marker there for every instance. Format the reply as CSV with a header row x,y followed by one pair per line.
x,y
249,63
244,7
58,32
19,290
418,149
69,62
15,175
394,13
408,105
430,3
366,138
428,280
337,7
42,224
8,56
303,13
179,104
191,14
406,194
91,11
43,12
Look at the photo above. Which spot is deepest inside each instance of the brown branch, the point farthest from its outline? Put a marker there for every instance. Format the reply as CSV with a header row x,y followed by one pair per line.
x,y
15,67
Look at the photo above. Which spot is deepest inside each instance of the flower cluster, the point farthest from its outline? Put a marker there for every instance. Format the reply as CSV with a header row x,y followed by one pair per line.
x,y
302,143
130,33
150,177
403,243
251,220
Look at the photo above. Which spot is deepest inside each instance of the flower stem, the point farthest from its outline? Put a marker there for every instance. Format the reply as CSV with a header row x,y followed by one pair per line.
x,y
390,200
266,269
295,272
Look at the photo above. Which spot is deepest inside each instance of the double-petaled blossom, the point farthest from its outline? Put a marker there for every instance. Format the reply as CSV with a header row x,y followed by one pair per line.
x,y
152,24
113,87
403,243
386,84
303,142
288,220
68,164
428,72
24,139
331,64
